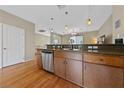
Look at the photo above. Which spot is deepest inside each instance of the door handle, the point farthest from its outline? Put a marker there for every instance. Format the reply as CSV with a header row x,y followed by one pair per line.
x,y
4,48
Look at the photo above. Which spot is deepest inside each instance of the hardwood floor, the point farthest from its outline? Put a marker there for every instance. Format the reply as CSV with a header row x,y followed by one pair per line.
x,y
27,75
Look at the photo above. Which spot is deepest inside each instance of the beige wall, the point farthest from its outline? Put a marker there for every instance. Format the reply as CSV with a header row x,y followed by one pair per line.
x,y
118,13
106,30
90,37
65,39
41,40
55,36
29,27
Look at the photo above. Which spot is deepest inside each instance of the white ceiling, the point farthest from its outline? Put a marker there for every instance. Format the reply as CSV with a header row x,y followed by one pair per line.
x,y
76,18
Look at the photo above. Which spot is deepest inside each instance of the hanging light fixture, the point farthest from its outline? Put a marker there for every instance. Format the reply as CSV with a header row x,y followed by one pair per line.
x,y
89,20
51,28
66,27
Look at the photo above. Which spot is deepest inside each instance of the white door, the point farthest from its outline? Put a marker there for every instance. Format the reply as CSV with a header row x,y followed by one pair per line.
x,y
13,45
0,45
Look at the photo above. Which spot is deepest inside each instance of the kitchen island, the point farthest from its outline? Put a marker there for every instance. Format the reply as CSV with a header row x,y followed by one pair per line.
x,y
90,65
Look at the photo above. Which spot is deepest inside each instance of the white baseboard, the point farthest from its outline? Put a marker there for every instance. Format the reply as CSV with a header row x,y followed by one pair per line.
x,y
28,60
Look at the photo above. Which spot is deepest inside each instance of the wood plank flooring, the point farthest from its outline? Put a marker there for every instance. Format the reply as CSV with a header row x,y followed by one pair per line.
x,y
27,75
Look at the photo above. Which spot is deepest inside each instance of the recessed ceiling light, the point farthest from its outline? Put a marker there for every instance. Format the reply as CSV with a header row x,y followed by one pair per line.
x,y
66,12
52,18
42,30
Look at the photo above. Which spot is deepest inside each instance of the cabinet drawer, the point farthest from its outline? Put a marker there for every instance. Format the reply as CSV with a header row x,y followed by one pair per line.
x,y
67,54
104,59
60,54
74,55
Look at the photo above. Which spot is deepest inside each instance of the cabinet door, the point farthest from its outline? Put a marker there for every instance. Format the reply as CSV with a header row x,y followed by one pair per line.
x,y
59,67
74,71
102,76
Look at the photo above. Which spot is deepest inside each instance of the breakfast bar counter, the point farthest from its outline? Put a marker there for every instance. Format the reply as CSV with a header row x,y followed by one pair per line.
x,y
90,65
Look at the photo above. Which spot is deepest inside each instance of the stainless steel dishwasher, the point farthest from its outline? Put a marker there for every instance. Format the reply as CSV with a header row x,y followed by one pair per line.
x,y
47,60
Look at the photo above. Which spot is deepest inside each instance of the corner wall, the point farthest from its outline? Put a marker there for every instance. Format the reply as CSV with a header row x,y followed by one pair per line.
x,y
41,40
106,30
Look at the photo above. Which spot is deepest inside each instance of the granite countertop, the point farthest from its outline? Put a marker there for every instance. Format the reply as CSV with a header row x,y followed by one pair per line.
x,y
104,52
89,51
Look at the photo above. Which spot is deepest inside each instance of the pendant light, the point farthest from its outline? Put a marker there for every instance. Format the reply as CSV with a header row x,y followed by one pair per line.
x,y
66,27
51,28
89,20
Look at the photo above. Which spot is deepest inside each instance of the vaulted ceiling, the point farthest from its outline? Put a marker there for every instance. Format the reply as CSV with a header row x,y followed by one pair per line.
x,y
74,16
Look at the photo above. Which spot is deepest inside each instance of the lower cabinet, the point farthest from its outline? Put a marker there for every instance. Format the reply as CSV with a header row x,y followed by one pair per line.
x,y
102,76
94,71
59,67
74,71
68,69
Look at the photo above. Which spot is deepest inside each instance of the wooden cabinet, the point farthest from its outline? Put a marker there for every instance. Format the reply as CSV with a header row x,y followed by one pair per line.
x,y
68,54
95,70
59,67
38,59
74,71
68,68
111,60
105,73
102,76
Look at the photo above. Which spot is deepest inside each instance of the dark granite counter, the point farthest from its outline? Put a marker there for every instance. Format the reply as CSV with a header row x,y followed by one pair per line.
x,y
111,49
88,51
104,52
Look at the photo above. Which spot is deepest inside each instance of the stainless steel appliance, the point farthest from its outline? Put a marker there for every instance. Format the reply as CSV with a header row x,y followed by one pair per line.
x,y
47,60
